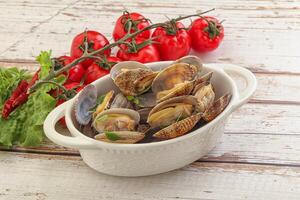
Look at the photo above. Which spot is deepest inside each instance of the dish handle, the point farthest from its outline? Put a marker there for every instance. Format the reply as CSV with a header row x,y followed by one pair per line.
x,y
67,141
247,76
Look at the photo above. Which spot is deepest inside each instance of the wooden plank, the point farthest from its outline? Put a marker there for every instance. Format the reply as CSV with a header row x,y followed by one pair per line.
x,y
265,119
266,45
31,176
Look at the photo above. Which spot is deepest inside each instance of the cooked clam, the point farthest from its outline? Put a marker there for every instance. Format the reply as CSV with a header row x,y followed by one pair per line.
x,y
118,125
125,137
105,104
191,60
85,102
217,107
116,119
205,95
203,79
172,110
120,101
132,78
178,128
174,81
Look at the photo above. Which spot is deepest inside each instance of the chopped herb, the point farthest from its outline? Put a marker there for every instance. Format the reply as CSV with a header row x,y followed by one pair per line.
x,y
130,98
100,99
112,136
134,100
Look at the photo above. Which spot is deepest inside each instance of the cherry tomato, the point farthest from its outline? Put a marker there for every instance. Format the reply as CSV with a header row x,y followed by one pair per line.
x,y
94,72
147,54
95,41
173,43
206,33
76,73
138,22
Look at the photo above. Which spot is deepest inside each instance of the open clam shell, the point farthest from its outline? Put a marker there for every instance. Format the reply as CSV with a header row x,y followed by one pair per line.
x,y
174,74
132,78
203,79
86,100
120,101
105,104
191,60
179,128
205,95
125,65
116,119
172,110
124,137
217,107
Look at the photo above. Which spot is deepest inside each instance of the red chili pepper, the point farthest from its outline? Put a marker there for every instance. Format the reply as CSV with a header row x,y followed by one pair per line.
x,y
34,78
19,95
11,103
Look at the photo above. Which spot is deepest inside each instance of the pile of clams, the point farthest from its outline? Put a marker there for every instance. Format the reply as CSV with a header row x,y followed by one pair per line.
x,y
151,105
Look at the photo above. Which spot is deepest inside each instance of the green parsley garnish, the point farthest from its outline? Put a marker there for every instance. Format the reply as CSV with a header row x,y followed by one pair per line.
x,y
112,136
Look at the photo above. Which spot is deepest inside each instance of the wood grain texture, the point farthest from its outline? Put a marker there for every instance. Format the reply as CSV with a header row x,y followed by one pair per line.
x,y
32,176
260,35
258,156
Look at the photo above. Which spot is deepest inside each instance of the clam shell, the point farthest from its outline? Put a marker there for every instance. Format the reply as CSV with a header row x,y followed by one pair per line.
x,y
134,115
120,101
169,111
203,79
205,96
172,75
117,68
132,78
181,99
217,107
147,100
192,60
86,100
125,137
105,103
179,128
179,90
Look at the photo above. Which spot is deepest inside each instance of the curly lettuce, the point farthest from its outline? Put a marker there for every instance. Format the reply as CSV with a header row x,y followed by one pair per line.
x,y
24,125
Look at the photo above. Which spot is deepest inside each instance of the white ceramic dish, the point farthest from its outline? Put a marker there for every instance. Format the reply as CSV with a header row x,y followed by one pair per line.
x,y
153,158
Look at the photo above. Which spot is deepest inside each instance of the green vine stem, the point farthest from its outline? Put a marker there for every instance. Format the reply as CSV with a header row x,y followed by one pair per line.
x,y
93,54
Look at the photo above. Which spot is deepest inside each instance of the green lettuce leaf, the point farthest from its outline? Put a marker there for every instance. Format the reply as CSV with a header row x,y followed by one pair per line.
x,y
25,125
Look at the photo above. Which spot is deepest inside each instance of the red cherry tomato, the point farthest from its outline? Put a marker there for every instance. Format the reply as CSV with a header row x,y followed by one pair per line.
x,y
172,44
76,73
95,41
94,72
206,33
147,54
138,22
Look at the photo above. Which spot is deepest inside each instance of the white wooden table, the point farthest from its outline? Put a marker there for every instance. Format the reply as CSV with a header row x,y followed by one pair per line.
x,y
259,155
